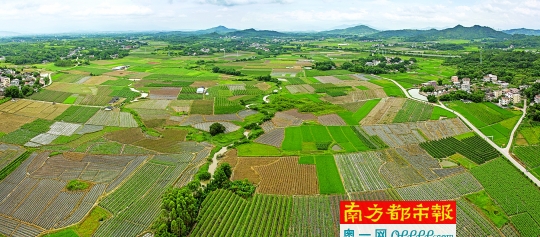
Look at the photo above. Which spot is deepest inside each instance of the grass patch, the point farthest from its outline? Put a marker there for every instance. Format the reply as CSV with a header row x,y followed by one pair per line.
x,y
328,175
440,112
255,149
355,118
389,88
489,208
77,114
87,227
70,100
464,135
306,160
77,185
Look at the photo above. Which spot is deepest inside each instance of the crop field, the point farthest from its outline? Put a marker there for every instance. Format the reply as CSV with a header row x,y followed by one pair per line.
x,y
331,120
50,96
11,122
420,160
514,193
357,111
439,113
262,215
287,177
113,118
41,195
202,107
34,109
273,137
134,210
528,155
397,171
445,189
150,104
345,137
336,96
8,153
481,114
296,89
384,112
312,216
389,88
474,148
473,223
328,175
360,171
396,135
164,93
229,127
414,111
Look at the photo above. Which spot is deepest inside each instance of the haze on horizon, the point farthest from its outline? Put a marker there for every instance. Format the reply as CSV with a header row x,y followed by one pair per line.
x,y
64,16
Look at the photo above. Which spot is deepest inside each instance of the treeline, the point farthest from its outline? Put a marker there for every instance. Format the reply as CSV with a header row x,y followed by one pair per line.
x,y
380,65
447,46
180,206
512,67
52,50
228,71
476,96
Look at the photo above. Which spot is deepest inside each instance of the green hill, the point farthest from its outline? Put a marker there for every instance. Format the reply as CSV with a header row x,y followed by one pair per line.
x,y
360,30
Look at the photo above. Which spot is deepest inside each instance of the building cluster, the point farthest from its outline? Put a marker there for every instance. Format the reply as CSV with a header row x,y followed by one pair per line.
x,y
10,77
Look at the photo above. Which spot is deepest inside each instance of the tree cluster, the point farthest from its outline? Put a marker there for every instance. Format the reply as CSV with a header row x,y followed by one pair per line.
x,y
533,112
476,96
532,91
359,65
180,206
513,67
228,71
325,65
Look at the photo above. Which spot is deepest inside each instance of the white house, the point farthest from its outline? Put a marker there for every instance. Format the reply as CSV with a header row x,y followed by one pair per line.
x,y
516,98
537,99
504,101
465,87
487,78
505,84
466,81
15,82
201,90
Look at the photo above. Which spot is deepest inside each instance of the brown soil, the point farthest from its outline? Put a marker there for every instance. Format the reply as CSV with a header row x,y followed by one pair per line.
x,y
287,177
204,84
126,136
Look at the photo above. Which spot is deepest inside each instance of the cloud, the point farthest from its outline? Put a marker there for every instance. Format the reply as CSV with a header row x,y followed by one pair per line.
x,y
231,3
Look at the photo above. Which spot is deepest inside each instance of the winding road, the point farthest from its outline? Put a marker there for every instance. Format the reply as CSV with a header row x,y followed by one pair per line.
x,y
504,151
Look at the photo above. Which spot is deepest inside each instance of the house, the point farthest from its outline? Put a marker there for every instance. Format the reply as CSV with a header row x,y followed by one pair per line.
x,y
465,87
466,81
505,85
494,79
433,83
497,94
201,90
108,108
455,79
373,63
5,81
15,82
514,90
516,98
119,68
537,99
504,101
486,78
42,81
523,87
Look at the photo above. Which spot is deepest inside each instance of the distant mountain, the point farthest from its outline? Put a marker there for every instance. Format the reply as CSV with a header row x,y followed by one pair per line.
x,y
8,34
522,31
458,32
219,30
360,30
256,33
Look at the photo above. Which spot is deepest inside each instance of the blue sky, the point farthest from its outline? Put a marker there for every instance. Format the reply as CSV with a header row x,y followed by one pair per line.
x,y
56,16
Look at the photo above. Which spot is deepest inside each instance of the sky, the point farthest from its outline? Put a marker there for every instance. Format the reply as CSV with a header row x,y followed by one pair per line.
x,y
67,16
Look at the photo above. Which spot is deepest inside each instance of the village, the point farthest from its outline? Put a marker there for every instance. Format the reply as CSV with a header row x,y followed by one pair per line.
x,y
10,77
496,91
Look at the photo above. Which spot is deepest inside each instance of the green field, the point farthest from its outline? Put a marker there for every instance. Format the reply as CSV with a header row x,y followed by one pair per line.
x,y
255,149
389,88
304,138
328,174
355,118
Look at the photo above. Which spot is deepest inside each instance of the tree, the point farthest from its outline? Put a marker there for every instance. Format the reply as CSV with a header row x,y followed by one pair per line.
x,y
217,128
432,99
427,89
13,92
440,82
178,215
27,90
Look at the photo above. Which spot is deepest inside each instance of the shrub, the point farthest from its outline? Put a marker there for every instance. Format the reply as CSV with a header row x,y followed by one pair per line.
x,y
217,128
322,145
76,185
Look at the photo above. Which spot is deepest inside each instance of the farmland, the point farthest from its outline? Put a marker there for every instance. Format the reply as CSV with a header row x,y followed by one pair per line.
x,y
318,137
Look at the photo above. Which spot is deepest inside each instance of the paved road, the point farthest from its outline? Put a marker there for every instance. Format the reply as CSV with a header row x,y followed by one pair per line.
x,y
504,151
